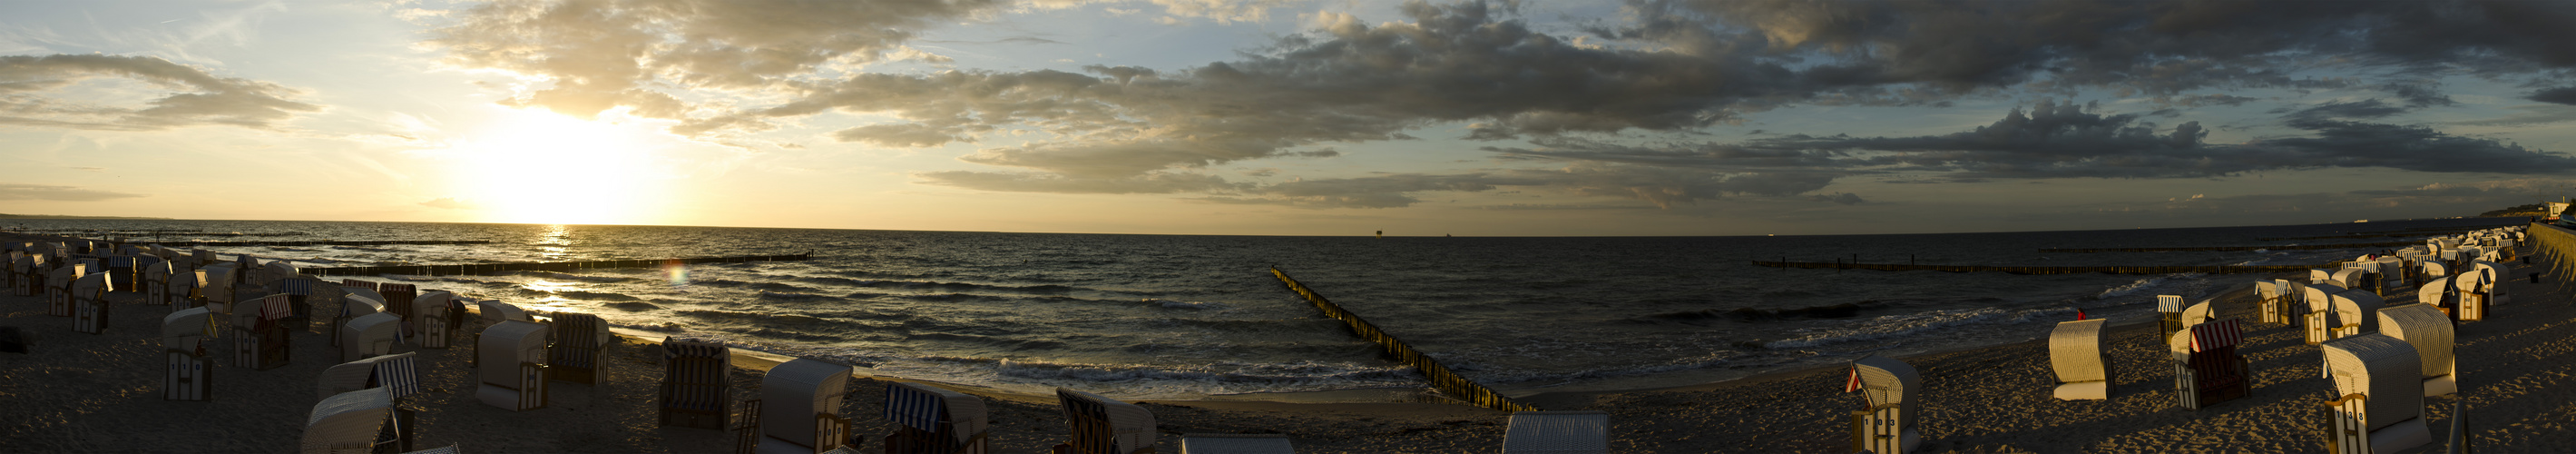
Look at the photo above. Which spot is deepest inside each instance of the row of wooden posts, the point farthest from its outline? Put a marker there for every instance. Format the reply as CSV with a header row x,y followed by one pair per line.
x,y
1440,376
2209,269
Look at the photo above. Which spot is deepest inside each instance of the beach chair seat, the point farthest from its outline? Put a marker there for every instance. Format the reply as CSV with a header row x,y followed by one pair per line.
x,y
1887,426
2380,408
933,420
578,341
1551,432
356,422
430,320
696,390
371,335
2076,353
2430,333
2207,369
183,343
512,366
800,408
1104,426
1243,444
89,302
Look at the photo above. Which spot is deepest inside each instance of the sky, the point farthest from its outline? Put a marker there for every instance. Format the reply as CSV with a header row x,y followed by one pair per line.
x,y
1287,117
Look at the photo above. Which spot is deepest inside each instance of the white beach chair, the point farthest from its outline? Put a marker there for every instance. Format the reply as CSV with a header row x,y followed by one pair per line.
x,y
2076,352
156,283
89,302
2437,293
2426,329
2198,313
1549,432
58,289
430,318
512,365
2321,276
2269,310
370,335
492,313
2356,312
2321,319
1888,425
2380,408
697,390
359,421
23,275
183,343
800,409
2355,279
1258,444
2169,313
2495,273
1101,425
354,302
2471,304
933,420
2207,369
216,286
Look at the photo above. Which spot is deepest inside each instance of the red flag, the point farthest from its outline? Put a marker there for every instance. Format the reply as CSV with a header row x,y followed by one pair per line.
x,y
2079,315
1854,383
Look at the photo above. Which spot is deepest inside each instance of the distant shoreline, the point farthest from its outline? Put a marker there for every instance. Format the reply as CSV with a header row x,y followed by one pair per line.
x,y
61,216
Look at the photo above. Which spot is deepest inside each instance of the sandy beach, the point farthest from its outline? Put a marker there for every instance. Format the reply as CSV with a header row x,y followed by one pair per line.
x,y
100,393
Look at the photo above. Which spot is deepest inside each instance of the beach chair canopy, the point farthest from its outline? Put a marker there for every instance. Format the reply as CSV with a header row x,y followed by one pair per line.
x,y
2351,278
2267,289
2320,298
925,407
373,326
2382,368
2436,268
504,346
1256,444
495,311
274,271
360,303
2169,303
2318,276
2434,292
2075,351
2355,306
88,285
431,304
2214,335
184,328
1887,381
795,391
2492,272
2426,329
347,421
2469,280
393,372
2198,312
1131,427
1557,432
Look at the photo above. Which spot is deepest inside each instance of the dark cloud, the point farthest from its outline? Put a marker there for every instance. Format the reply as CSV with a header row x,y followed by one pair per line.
x,y
59,193
2429,200
2561,95
1844,198
2369,108
200,99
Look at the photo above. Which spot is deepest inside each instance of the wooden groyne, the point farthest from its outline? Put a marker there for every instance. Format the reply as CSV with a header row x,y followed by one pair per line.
x,y
2231,248
298,243
1440,376
2209,269
489,268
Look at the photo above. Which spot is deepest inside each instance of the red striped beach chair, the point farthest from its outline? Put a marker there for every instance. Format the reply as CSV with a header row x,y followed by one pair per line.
x,y
1104,426
933,420
190,375
2207,369
696,387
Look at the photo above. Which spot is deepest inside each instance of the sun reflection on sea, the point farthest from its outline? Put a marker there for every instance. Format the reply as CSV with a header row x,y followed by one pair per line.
x,y
552,245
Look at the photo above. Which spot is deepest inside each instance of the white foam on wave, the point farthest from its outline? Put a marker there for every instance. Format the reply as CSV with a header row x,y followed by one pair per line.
x,y
1899,325
1178,304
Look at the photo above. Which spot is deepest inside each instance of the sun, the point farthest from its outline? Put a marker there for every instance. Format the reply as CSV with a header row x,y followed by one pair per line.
x,y
532,166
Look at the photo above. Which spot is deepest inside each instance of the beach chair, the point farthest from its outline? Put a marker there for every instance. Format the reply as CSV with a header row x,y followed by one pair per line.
x,y
1242,444
398,298
58,290
22,269
430,318
696,391
121,272
2392,272
2356,312
1104,426
2207,369
578,341
2320,276
362,421
933,420
259,342
1888,425
2321,320
2077,353
358,302
89,302
2198,313
215,286
2169,314
2469,305
2356,279
800,408
2381,403
183,287
2426,329
512,366
370,335
183,343
156,283
2269,309
398,371
1549,432
2491,295
493,312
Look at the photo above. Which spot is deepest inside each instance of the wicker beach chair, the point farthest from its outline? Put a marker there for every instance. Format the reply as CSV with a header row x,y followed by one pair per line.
x,y
800,408
492,313
2426,329
22,274
2169,313
512,365
2380,408
1104,426
430,319
2321,319
2356,312
1888,425
355,302
398,299
2392,272
259,341
122,271
696,391
362,421
89,302
2198,313
2207,369
370,335
1549,432
215,286
933,420
1241,444
58,289
155,283
190,375
2076,352
397,372
2490,294
2357,278
2321,276
578,341
2437,293
2268,310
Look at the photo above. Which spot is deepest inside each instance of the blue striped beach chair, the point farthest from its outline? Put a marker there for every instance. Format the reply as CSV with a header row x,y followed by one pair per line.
x,y
1104,426
578,341
696,387
933,420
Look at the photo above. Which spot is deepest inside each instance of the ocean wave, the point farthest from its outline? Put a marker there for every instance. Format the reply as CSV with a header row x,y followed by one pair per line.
x,y
793,296
550,275
1891,326
2140,285
596,296
1844,310
1178,304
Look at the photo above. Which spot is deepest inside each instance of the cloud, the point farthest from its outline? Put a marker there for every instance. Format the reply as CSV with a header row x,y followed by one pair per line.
x,y
1156,183
59,193
91,169
449,203
200,99
2433,199
899,135
2560,95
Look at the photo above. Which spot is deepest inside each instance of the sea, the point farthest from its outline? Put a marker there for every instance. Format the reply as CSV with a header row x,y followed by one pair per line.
x,y
1201,317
